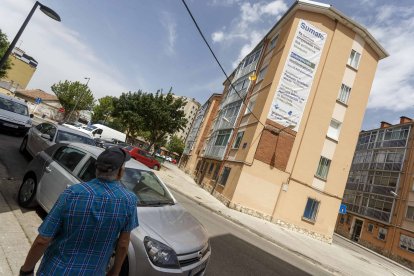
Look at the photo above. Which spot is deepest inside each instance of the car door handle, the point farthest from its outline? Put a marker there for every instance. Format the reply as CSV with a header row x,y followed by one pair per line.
x,y
48,169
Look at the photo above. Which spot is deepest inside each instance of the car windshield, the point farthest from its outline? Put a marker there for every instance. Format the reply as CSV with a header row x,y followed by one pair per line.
x,y
72,137
89,128
147,187
13,107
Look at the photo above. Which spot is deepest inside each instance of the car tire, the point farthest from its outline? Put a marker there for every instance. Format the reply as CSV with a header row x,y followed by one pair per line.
x,y
27,191
23,145
156,167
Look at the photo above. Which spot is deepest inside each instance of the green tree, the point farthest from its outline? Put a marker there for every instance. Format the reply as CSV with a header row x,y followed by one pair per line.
x,y
4,44
176,145
103,110
73,96
158,114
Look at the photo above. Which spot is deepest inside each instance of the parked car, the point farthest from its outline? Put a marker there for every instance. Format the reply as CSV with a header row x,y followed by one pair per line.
x,y
168,241
44,135
14,115
144,157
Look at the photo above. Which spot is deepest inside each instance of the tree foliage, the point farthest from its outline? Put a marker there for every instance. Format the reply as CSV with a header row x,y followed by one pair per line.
x,y
157,114
4,44
102,111
176,145
73,95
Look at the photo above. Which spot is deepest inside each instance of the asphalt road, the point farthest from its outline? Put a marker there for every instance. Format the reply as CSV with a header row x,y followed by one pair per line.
x,y
235,250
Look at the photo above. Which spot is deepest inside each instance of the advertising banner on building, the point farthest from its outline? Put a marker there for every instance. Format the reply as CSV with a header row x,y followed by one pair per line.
x,y
297,77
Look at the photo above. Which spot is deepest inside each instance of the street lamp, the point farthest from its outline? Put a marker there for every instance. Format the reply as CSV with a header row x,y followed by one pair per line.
x,y
46,10
80,97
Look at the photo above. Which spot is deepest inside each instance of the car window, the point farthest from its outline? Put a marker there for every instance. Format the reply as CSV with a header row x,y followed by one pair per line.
x,y
88,171
72,137
143,153
129,148
68,157
13,107
39,127
147,187
46,128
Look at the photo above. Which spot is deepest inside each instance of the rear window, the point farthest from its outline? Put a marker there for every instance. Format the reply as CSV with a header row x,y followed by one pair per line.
x,y
13,107
72,137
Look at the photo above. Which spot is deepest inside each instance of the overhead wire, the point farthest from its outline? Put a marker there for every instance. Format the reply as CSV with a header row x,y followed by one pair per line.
x,y
218,62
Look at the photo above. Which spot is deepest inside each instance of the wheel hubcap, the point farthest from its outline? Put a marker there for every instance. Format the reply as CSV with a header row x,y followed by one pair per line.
x,y
27,190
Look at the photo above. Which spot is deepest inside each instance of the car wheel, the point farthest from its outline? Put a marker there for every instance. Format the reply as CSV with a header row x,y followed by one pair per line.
x,y
23,145
27,191
156,167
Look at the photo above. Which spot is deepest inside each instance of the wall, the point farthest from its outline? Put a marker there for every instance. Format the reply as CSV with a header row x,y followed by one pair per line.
x,y
20,72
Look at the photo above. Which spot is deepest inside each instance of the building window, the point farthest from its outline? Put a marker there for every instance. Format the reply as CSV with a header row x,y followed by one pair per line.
x,y
222,138
262,74
382,233
238,140
407,243
370,227
354,59
410,212
342,219
211,168
216,171
311,209
334,129
273,42
323,168
224,175
344,94
250,105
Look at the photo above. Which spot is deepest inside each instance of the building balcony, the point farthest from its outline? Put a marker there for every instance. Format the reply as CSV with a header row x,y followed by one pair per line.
x,y
216,152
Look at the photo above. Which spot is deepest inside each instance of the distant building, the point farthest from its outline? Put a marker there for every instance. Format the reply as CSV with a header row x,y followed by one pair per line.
x,y
199,131
49,105
379,192
21,72
282,141
190,110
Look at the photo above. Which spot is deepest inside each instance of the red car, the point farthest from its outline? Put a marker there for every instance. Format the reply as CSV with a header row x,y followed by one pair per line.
x,y
144,157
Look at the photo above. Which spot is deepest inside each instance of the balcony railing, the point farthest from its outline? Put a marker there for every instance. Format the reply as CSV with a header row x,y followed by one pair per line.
x,y
215,151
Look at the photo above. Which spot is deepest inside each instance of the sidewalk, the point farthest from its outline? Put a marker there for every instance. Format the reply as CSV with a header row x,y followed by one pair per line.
x,y
332,257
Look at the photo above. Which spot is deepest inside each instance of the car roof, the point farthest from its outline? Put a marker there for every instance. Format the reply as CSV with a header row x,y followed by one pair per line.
x,y
97,151
13,99
70,130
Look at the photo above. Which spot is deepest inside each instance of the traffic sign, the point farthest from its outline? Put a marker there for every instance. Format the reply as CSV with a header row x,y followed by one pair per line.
x,y
342,209
38,100
61,110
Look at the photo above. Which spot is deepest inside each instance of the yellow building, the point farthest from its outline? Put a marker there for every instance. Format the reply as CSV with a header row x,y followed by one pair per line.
x,y
282,143
21,72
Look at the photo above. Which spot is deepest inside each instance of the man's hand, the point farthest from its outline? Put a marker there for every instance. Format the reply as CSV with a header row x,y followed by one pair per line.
x,y
120,253
35,253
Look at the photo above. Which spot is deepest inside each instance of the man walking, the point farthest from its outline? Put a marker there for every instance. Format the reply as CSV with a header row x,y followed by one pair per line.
x,y
86,224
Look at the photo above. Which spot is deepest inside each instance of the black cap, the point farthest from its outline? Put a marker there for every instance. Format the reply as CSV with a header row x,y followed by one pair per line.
x,y
111,159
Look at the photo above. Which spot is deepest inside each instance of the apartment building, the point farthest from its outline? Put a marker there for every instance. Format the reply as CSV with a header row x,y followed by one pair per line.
x,y
21,72
379,192
190,158
279,147
190,110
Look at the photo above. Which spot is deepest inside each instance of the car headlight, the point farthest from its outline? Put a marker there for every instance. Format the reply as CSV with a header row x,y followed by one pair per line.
x,y
160,254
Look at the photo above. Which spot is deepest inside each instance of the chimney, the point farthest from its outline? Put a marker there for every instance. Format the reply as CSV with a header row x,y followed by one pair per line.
x,y
404,120
385,124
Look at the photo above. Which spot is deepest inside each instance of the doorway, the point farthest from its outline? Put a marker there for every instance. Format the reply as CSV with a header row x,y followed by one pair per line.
x,y
357,230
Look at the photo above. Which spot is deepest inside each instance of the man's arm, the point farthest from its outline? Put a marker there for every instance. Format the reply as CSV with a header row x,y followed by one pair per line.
x,y
120,253
35,253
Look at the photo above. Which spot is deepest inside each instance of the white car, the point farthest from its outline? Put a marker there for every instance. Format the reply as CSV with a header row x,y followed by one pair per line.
x,y
168,241
14,115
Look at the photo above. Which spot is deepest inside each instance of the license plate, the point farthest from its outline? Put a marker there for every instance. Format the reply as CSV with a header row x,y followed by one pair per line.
x,y
10,125
198,269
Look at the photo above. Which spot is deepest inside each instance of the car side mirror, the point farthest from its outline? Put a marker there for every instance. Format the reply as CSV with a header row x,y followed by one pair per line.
x,y
31,115
46,136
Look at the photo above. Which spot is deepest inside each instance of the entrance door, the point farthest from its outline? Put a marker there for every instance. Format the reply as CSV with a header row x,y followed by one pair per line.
x,y
357,230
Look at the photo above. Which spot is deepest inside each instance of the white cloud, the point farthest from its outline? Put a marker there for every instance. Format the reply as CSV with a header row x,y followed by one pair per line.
x,y
170,26
61,52
394,82
248,27
223,2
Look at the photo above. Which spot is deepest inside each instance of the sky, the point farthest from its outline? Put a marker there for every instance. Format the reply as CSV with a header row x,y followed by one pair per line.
x,y
127,45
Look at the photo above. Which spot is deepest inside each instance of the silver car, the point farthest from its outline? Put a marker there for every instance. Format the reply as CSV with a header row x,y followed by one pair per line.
x,y
44,135
169,240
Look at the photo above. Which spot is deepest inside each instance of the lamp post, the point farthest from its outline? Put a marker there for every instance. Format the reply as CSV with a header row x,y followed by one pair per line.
x,y
46,10
80,97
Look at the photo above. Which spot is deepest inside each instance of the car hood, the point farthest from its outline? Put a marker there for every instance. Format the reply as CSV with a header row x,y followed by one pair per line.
x,y
173,226
15,118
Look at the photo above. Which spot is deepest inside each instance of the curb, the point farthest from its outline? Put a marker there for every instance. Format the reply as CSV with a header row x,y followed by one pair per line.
x,y
297,253
375,253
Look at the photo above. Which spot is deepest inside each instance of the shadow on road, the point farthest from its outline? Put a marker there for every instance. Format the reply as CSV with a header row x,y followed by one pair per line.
x,y
243,258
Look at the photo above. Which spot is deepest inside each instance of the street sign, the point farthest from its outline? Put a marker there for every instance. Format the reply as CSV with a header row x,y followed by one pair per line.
x,y
38,100
342,209
61,110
